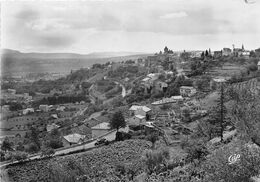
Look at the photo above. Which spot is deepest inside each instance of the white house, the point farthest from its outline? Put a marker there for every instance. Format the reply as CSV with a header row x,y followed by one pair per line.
x,y
72,139
28,110
139,110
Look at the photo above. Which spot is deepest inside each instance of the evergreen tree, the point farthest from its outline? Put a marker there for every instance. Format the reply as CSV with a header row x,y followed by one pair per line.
x,y
206,53
202,55
218,116
166,50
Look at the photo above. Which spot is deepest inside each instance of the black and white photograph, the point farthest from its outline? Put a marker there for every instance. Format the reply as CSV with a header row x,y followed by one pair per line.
x,y
130,91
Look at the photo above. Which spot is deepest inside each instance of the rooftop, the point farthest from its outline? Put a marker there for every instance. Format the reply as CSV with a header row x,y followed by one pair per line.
x,y
140,116
74,138
101,126
135,107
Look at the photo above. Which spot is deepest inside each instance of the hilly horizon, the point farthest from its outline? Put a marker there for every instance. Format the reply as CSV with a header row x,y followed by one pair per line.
x,y
58,55
14,62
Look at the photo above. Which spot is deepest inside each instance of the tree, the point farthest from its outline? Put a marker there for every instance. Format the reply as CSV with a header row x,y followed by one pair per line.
x,y
218,115
245,115
20,156
6,145
206,53
117,120
156,160
166,50
152,138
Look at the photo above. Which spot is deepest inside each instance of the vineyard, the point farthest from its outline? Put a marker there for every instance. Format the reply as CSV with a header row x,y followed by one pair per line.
x,y
95,165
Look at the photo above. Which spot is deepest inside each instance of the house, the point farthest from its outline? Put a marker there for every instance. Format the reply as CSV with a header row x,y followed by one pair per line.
x,y
187,91
60,108
139,110
28,110
237,51
258,65
44,108
51,127
137,120
172,99
72,139
100,129
217,82
226,52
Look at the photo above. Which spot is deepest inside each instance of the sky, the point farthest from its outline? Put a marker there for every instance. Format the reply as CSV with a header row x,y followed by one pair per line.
x,y
130,25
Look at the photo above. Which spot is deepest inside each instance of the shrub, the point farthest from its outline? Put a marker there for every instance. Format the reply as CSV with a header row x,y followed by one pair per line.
x,y
20,156
252,67
156,160
47,152
32,148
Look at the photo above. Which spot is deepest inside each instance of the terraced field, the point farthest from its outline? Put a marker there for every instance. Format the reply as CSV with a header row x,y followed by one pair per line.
x,y
95,165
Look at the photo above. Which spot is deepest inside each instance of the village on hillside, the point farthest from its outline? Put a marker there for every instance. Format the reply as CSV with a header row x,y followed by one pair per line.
x,y
184,101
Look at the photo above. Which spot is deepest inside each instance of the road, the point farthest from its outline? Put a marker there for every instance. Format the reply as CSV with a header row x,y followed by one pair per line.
x,y
110,137
123,88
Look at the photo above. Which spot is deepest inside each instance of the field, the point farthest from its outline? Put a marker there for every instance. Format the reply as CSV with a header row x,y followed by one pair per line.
x,y
95,165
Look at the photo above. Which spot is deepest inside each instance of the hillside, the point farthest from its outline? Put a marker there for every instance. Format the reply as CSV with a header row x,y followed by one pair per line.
x,y
17,63
98,164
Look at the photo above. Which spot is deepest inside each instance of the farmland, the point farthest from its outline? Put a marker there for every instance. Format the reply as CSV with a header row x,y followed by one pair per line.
x,y
98,164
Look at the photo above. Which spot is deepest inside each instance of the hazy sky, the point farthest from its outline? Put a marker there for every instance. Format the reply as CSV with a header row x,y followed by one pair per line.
x,y
138,26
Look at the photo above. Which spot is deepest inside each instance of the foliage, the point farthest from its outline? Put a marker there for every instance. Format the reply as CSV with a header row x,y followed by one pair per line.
x,y
117,120
15,106
94,165
32,148
245,115
20,156
153,138
121,136
6,145
155,160
217,115
47,152
218,168
252,67
61,100
20,147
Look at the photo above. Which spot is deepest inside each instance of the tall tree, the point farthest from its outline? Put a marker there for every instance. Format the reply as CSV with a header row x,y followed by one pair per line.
x,y
206,53
117,120
218,115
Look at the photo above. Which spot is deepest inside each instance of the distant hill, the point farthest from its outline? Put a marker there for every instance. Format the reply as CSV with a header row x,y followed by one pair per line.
x,y
14,62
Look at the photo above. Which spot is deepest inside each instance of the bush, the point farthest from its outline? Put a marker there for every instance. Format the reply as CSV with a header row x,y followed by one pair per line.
x,y
47,152
32,148
252,67
156,160
20,156
121,136
217,165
